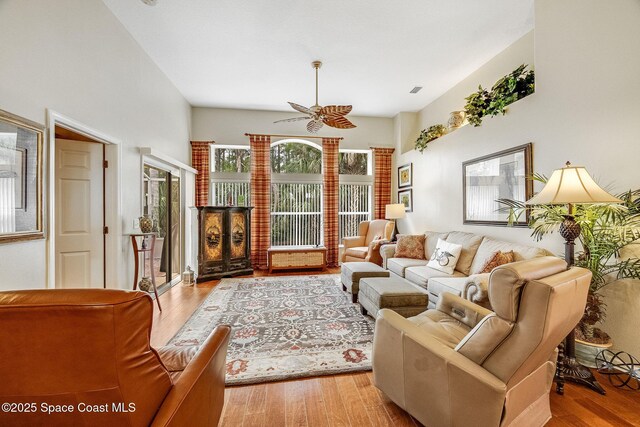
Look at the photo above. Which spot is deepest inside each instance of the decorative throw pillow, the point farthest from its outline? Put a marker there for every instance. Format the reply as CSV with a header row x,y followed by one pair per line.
x,y
500,258
445,256
410,246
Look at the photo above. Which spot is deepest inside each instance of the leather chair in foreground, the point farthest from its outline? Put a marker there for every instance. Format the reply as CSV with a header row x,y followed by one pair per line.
x,y
463,365
365,247
84,356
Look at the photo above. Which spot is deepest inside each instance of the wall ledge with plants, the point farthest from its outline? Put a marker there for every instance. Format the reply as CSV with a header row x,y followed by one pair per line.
x,y
483,103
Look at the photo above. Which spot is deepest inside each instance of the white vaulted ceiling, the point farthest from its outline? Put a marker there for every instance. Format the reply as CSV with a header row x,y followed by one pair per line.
x,y
257,54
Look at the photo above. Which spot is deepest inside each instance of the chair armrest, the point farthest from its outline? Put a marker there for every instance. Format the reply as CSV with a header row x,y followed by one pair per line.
x,y
461,309
386,252
477,289
430,380
354,241
197,397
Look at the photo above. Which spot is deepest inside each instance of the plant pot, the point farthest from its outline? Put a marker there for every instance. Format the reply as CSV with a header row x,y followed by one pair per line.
x,y
456,120
586,352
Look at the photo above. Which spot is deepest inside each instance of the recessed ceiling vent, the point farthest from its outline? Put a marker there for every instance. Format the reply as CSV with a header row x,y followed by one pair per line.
x,y
416,89
150,2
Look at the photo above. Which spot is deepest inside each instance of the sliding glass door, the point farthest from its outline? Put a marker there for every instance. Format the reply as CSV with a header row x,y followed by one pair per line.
x,y
161,202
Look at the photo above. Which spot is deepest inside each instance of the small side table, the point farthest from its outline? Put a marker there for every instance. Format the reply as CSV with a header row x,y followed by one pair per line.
x,y
147,245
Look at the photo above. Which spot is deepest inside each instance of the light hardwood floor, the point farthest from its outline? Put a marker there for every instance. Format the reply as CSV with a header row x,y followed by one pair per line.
x,y
352,400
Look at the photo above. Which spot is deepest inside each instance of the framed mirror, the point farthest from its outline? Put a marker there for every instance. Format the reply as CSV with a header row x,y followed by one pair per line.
x,y
21,206
503,175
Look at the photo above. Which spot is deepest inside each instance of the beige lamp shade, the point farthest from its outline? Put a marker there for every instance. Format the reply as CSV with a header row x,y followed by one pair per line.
x,y
394,211
571,184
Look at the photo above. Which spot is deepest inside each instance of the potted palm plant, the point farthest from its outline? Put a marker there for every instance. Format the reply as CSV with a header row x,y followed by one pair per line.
x,y
606,229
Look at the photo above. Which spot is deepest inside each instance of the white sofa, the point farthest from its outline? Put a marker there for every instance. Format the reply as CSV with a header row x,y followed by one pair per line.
x,y
466,281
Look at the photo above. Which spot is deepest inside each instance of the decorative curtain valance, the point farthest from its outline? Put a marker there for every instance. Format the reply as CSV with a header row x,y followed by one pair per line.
x,y
200,162
330,180
261,199
382,158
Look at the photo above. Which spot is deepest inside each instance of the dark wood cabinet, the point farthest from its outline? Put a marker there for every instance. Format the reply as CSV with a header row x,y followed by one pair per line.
x,y
224,242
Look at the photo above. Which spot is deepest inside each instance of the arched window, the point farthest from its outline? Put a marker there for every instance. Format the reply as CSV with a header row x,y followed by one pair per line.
x,y
296,193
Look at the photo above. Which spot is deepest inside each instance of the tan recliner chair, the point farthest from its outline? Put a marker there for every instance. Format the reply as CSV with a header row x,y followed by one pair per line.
x,y
463,365
88,350
365,247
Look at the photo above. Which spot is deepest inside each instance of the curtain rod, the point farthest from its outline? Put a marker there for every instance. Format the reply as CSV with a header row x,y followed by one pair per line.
x,y
291,136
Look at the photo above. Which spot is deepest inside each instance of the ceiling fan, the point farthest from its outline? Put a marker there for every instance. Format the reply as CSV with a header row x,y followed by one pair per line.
x,y
331,115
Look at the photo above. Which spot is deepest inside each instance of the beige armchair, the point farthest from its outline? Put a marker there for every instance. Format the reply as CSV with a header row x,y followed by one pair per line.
x,y
365,247
461,364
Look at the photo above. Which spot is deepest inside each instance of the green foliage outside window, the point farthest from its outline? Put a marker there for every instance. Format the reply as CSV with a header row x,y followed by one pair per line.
x,y
350,163
293,157
231,160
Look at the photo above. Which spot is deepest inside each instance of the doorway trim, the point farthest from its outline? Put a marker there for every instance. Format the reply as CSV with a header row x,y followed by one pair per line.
x,y
112,197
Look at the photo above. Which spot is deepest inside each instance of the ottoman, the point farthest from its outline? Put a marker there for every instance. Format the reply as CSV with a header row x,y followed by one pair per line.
x,y
394,293
352,272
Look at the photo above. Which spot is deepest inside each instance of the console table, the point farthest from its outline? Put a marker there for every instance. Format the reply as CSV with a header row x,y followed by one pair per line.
x,y
295,258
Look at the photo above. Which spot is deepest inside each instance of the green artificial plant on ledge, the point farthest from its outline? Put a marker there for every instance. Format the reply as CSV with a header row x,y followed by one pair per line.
x,y
429,134
510,88
606,229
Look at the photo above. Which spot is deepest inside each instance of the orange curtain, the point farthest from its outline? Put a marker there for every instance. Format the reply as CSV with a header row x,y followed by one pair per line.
x,y
330,180
381,180
200,162
260,199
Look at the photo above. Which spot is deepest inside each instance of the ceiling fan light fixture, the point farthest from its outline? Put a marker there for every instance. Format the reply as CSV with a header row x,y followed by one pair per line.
x,y
330,115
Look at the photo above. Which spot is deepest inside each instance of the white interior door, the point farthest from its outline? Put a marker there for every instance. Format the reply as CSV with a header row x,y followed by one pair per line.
x,y
79,214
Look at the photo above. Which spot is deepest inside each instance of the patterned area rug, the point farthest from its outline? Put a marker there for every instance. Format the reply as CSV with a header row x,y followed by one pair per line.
x,y
284,328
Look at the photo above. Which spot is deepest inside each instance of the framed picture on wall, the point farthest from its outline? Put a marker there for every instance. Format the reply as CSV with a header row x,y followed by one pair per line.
x,y
406,198
405,175
502,175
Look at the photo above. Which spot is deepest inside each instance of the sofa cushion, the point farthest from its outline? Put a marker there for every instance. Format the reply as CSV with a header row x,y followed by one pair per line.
x,y
489,247
432,241
357,252
454,285
393,292
470,243
399,265
445,256
420,275
500,258
410,246
442,327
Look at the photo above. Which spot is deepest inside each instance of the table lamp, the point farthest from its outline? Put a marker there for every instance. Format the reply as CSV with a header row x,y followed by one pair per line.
x,y
394,212
571,185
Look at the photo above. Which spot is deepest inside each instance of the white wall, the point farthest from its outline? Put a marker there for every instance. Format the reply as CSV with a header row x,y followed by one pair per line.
x,y
585,110
74,57
228,126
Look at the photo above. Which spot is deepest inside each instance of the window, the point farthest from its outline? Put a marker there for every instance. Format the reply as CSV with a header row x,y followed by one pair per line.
x,y
296,157
355,190
230,175
296,193
354,163
230,159
296,188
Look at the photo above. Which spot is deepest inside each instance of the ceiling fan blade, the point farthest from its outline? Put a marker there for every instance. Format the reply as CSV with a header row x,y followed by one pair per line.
x,y
338,122
336,110
314,126
300,108
294,119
